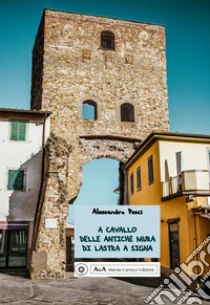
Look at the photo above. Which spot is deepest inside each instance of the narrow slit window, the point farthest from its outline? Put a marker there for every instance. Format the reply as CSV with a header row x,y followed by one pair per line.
x,y
150,170
89,110
107,40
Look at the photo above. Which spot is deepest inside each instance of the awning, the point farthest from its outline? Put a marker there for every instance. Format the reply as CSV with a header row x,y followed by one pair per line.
x,y
202,208
13,225
205,216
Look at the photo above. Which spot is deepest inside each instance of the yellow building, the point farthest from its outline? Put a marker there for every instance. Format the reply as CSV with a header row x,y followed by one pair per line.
x,y
172,170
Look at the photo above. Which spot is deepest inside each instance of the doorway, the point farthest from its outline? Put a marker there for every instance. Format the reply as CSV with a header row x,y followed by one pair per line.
x,y
13,248
174,243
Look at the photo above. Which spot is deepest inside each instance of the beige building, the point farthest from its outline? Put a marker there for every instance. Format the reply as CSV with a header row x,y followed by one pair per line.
x,y
23,135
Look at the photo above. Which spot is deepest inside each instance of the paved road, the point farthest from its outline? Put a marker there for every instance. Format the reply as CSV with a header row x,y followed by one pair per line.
x,y
17,290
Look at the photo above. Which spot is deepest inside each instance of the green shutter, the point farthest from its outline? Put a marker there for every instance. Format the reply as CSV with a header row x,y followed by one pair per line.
x,y
14,131
15,180
18,131
18,183
22,131
11,178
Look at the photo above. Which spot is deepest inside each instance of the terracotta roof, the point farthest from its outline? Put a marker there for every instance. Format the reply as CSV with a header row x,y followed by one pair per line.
x,y
167,135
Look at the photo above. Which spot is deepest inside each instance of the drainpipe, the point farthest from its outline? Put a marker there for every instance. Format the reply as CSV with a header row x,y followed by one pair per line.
x,y
43,132
125,172
195,245
34,225
42,180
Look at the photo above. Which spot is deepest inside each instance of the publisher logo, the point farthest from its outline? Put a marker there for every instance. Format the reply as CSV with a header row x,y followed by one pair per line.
x,y
119,269
81,269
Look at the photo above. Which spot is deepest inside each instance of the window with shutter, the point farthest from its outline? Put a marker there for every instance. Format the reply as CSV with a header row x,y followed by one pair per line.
x,y
138,178
208,153
15,180
14,131
131,184
22,131
18,131
150,170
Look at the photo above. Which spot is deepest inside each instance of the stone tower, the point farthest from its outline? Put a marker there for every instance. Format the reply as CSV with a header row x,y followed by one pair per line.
x,y
115,68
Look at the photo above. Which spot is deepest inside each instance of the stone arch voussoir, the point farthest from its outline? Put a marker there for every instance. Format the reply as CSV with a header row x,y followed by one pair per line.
x,y
97,147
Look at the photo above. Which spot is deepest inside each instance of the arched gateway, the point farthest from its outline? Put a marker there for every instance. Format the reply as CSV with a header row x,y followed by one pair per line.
x,y
71,69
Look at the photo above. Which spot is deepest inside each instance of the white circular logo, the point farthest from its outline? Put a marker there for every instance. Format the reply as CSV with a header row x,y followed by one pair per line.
x,y
81,269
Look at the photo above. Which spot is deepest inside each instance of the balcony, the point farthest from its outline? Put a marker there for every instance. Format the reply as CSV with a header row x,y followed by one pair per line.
x,y
191,182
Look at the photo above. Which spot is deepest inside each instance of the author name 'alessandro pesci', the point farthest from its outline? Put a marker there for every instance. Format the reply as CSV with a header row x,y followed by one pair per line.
x,y
97,211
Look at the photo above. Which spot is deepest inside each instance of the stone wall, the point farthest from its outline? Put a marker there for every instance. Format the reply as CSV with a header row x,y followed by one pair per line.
x,y
106,76
48,257
70,67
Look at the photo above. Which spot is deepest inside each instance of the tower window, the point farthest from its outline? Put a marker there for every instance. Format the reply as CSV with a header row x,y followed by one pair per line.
x,y
89,110
107,40
127,112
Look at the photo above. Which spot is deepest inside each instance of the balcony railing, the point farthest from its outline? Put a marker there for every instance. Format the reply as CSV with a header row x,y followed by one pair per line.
x,y
188,182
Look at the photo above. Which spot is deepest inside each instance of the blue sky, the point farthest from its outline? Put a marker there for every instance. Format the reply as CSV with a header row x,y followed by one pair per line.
x,y
100,179
187,43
